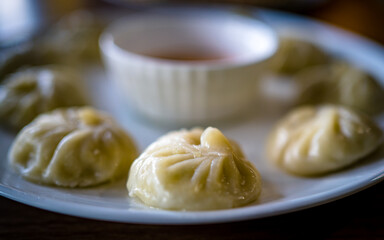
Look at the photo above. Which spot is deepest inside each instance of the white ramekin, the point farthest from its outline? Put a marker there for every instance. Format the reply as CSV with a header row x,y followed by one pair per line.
x,y
187,92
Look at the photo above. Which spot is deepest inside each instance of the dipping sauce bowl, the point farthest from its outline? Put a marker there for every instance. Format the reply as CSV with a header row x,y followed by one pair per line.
x,y
187,67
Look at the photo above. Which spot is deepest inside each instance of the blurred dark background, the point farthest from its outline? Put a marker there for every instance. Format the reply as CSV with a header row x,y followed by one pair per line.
x,y
21,19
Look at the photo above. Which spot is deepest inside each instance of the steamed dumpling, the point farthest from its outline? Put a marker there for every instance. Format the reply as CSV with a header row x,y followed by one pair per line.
x,y
341,83
194,170
74,39
27,93
294,55
74,147
317,140
22,57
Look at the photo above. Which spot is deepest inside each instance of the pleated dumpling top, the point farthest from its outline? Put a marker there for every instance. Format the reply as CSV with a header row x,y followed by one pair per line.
x,y
194,170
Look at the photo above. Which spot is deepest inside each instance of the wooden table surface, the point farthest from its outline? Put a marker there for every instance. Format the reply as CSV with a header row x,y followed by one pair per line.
x,y
360,216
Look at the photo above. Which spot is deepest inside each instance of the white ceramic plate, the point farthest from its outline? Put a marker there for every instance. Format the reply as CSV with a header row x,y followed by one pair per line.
x,y
282,193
